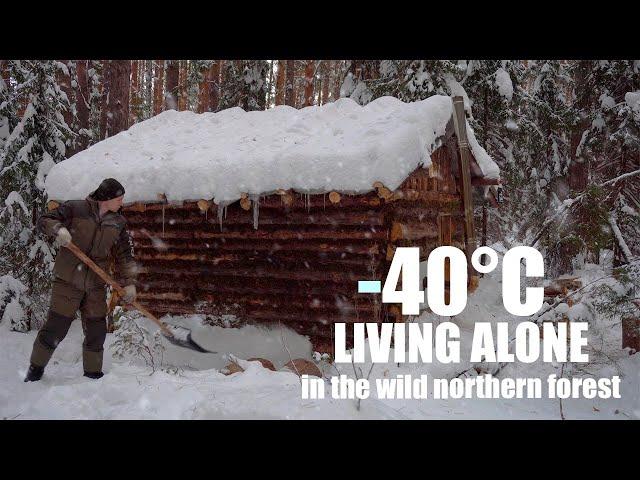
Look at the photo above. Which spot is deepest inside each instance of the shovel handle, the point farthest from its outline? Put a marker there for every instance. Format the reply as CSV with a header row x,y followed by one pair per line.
x,y
104,276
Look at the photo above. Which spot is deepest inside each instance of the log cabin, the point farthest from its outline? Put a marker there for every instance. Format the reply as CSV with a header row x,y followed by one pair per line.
x,y
289,237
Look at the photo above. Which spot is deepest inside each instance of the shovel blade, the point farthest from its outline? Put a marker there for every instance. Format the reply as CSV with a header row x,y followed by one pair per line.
x,y
187,343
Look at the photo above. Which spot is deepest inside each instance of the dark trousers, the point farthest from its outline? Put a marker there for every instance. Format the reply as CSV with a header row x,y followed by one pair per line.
x,y
66,300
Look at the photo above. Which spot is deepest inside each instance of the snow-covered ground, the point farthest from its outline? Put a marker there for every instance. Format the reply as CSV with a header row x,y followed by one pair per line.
x,y
189,385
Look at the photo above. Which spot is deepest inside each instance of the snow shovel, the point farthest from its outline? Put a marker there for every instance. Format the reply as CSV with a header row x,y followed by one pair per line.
x,y
181,339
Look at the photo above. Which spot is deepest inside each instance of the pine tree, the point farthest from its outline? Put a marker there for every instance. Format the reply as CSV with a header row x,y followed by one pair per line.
x,y
214,86
116,102
35,143
244,84
607,141
82,105
408,80
171,90
289,83
309,77
94,79
255,84
232,89
198,85
158,86
280,75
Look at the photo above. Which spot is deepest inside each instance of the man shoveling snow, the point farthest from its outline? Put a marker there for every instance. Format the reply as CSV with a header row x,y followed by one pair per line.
x,y
96,226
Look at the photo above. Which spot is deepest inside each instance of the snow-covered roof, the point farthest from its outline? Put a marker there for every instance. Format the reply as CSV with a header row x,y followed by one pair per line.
x,y
338,146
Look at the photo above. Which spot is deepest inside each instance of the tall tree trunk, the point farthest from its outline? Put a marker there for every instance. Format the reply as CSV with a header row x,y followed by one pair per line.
x,y
258,85
204,91
135,84
171,95
106,77
578,169
324,92
182,90
148,89
280,82
158,87
299,84
117,101
214,86
82,101
337,79
134,114
289,84
309,71
270,84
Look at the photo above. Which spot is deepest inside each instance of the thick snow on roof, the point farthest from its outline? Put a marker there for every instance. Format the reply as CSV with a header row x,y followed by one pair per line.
x,y
339,146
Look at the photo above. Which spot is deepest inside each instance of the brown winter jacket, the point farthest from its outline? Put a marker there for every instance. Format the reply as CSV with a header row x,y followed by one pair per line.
x,y
95,236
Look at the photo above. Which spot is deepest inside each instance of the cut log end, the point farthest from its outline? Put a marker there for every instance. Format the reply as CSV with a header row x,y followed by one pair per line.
x,y
232,368
137,207
52,205
245,203
264,362
396,232
286,196
383,192
203,205
300,367
334,197
390,252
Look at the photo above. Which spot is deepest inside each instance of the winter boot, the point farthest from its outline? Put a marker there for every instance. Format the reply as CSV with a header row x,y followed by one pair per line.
x,y
34,373
94,375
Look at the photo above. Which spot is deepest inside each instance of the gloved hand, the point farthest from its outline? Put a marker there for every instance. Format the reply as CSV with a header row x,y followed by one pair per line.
x,y
63,237
129,294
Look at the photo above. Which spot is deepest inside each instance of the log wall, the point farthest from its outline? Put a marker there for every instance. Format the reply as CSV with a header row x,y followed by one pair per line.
x,y
293,258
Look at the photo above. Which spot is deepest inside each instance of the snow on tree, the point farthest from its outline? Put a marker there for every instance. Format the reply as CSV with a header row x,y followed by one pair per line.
x,y
13,303
35,143
411,80
244,84
94,79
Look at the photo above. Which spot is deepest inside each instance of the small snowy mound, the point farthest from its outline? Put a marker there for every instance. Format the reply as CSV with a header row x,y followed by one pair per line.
x,y
338,146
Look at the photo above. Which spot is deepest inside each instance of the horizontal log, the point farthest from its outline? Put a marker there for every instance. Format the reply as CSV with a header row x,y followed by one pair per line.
x,y
414,230
214,255
154,220
231,285
218,265
480,181
298,201
299,305
429,199
290,304
215,272
286,262
225,295
404,213
324,318
321,201
155,296
309,232
362,247
298,235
